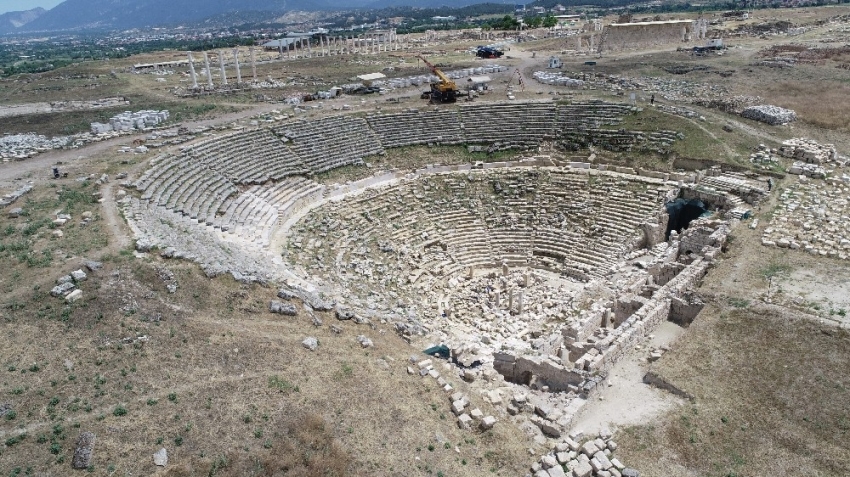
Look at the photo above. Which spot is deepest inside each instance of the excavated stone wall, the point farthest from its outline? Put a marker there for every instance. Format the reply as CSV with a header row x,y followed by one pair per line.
x,y
636,36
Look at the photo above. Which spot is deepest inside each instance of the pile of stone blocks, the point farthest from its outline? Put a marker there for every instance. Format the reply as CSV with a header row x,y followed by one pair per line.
x,y
128,121
764,156
807,169
557,79
773,115
594,457
66,286
808,151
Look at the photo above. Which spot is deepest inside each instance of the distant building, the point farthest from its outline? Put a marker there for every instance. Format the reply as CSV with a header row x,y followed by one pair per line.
x,y
444,19
382,36
276,45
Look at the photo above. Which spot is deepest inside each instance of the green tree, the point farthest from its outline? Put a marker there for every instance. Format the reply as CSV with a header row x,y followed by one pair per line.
x,y
550,21
533,22
507,22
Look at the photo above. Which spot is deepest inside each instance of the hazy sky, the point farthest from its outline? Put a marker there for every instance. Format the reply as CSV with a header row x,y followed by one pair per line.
x,y
15,5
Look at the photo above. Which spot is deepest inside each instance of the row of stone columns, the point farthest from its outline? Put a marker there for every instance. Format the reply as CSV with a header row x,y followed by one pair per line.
x,y
329,46
587,43
194,75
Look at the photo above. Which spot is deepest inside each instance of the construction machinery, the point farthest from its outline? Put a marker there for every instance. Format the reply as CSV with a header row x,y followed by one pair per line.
x,y
442,91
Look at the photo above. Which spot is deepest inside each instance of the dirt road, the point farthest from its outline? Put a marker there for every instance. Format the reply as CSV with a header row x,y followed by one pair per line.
x,y
42,163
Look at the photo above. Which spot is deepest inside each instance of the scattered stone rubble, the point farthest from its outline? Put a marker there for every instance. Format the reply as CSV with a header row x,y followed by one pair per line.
x,y
282,308
773,115
467,415
813,217
84,451
23,146
594,457
167,277
10,198
669,89
60,106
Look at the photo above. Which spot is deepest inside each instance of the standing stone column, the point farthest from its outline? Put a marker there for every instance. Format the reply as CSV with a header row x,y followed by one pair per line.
x,y
310,47
519,303
238,71
253,64
209,71
221,66
192,71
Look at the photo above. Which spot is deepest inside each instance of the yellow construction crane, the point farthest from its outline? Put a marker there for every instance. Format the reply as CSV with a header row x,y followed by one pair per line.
x,y
443,91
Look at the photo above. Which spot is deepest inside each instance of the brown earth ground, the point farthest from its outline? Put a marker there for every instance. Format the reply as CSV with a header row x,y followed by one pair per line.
x,y
228,390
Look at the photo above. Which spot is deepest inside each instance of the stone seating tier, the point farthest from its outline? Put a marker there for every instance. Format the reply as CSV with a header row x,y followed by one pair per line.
x,y
448,223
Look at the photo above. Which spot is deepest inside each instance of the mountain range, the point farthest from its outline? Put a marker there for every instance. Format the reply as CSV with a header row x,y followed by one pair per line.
x,y
127,14
14,21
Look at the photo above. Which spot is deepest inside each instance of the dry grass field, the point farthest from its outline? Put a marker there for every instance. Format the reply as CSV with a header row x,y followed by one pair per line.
x,y
770,394
220,382
770,398
208,373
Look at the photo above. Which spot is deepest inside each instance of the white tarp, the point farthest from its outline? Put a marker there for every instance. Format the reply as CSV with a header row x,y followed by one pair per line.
x,y
372,76
480,79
